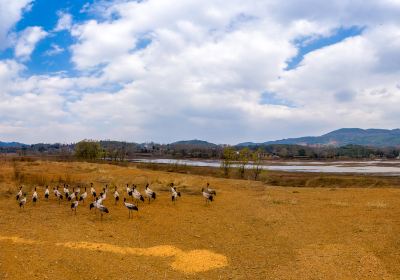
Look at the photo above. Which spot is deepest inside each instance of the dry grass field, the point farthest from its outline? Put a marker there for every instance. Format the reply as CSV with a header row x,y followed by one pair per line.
x,y
250,231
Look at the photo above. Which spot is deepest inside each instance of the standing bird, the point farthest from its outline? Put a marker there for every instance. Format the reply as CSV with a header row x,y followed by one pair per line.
x,y
83,196
78,190
22,202
129,190
131,207
174,193
102,210
149,193
66,191
207,196
103,195
72,195
137,195
92,191
46,193
74,205
19,194
210,191
58,194
93,204
116,196
34,197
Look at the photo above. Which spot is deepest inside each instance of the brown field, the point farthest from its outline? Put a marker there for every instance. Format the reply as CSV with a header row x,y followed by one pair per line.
x,y
251,231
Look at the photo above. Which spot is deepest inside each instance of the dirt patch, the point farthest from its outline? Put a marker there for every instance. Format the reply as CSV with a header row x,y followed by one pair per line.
x,y
189,262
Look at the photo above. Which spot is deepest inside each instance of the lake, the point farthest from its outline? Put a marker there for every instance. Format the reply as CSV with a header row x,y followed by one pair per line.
x,y
382,167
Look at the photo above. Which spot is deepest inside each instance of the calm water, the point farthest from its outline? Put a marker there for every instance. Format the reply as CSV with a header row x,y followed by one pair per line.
x,y
363,167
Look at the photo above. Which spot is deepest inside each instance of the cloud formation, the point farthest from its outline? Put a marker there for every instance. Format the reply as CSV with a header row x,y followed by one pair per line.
x,y
151,70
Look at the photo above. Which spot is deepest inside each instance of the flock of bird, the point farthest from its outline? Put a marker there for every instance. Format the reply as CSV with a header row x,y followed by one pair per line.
x,y
76,197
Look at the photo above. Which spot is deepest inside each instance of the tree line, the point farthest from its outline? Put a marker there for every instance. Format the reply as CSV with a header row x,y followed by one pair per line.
x,y
120,151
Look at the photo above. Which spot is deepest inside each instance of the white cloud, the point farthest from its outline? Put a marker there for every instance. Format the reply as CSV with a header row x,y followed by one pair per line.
x,y
27,40
151,70
64,21
55,49
10,14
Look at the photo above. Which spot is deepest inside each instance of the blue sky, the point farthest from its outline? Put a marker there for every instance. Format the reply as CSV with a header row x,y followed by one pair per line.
x,y
150,71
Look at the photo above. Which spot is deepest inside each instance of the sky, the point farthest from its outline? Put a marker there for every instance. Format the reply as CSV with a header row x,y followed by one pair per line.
x,y
163,71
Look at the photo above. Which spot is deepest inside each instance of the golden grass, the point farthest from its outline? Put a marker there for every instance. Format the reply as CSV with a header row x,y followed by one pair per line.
x,y
250,231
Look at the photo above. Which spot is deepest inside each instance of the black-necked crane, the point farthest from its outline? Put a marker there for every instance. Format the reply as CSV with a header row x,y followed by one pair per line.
x,y
131,207
74,205
103,195
102,210
174,194
93,204
19,194
137,195
66,191
208,197
72,196
210,191
34,197
83,196
58,195
46,193
149,193
93,191
129,190
22,202
116,195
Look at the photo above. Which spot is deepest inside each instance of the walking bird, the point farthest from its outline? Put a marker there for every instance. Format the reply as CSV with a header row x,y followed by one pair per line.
x,y
207,196
131,207
149,193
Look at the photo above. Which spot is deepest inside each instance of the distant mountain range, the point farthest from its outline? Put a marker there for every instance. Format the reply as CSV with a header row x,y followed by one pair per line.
x,y
12,144
342,137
